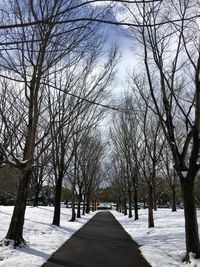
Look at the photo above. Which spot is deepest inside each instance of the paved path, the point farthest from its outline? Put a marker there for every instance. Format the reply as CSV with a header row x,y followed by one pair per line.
x,y
102,242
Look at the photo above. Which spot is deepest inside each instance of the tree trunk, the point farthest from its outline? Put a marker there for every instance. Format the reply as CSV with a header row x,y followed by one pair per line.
x,y
79,204
87,203
118,204
36,196
58,192
135,203
130,215
154,197
83,212
87,207
173,197
79,209
125,208
191,225
144,202
15,231
73,218
150,206
120,208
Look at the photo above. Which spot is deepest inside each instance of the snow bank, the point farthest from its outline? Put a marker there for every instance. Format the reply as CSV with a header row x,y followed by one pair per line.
x,y
42,237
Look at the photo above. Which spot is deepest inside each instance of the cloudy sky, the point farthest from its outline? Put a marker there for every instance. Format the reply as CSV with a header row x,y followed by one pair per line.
x,y
128,49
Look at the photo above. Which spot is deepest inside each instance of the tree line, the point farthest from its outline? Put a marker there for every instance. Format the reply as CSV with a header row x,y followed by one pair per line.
x,y
51,76
167,83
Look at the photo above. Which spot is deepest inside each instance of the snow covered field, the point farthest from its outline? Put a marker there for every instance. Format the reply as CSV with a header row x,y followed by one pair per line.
x,y
163,245
42,237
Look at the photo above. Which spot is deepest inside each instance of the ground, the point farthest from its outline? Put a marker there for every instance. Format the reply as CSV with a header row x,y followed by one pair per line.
x,y
163,245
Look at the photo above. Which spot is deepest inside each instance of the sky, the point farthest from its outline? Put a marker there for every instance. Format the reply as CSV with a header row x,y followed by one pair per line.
x,y
127,49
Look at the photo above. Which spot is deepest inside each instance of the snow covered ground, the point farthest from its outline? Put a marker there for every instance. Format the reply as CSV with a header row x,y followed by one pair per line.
x,y
42,237
163,245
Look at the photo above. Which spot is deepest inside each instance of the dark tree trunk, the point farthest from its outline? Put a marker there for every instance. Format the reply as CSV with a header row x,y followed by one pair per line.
x,y
58,192
144,202
79,210
118,204
154,197
36,196
87,206
120,208
125,207
73,218
191,225
135,203
150,206
87,203
15,231
79,205
83,212
130,215
173,197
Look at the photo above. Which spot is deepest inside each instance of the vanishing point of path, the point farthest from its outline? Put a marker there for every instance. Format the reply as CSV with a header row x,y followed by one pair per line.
x,y
101,242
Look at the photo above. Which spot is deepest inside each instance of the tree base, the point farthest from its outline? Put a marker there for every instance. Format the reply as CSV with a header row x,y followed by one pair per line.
x,y
189,258
185,259
15,243
72,220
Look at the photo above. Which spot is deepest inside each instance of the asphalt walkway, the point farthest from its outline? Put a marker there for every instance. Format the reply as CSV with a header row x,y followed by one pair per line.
x,y
101,242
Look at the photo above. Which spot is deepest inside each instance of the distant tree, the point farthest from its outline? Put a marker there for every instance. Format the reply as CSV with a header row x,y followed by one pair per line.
x,y
125,137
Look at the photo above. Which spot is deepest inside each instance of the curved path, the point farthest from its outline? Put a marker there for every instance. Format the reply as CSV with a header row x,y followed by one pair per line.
x,y
101,242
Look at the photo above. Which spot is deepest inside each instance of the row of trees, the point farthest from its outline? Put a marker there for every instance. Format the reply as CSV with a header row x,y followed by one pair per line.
x,y
142,160
168,83
51,74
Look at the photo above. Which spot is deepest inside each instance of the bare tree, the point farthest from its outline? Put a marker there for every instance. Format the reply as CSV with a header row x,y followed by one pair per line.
x,y
125,136
171,59
30,61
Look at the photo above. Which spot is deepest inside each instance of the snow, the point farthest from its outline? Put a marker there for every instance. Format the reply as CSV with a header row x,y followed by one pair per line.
x,y
163,245
42,237
184,174
12,162
2,165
